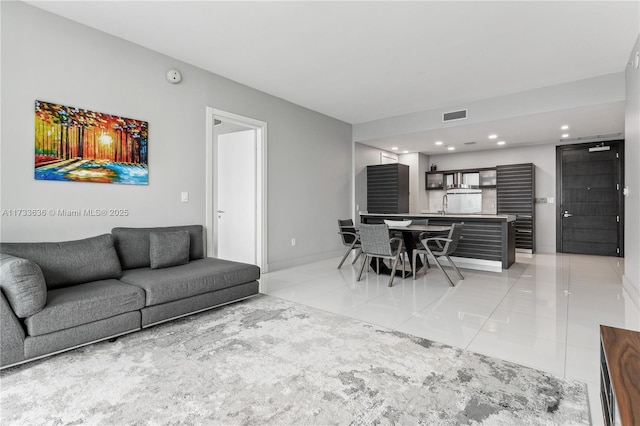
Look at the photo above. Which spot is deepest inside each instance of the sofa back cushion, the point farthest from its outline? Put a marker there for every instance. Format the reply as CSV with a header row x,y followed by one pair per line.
x,y
22,283
71,262
169,248
133,246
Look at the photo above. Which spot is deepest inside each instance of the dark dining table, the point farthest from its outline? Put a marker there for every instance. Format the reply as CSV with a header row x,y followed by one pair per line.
x,y
408,233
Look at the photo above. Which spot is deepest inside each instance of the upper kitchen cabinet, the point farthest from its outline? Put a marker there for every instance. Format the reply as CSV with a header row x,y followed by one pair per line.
x,y
515,193
388,188
488,178
467,178
435,180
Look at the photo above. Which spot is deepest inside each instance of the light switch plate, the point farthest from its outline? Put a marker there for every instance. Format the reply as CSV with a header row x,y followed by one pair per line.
x,y
551,200
184,197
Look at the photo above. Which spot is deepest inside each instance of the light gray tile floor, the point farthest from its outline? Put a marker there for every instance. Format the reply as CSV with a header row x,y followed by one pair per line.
x,y
543,312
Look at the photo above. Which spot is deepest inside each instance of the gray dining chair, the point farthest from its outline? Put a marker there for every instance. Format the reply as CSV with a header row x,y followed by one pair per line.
x,y
350,239
421,236
376,243
438,247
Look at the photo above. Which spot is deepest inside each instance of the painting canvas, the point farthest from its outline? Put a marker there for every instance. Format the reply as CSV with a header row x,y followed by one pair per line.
x,y
74,144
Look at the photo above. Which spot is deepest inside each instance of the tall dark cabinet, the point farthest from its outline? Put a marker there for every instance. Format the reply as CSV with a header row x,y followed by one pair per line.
x,y
388,188
515,192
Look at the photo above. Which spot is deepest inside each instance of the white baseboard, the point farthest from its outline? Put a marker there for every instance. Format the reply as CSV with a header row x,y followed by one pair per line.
x,y
477,264
289,263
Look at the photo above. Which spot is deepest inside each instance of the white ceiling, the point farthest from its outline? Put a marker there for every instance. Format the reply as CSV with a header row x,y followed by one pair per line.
x,y
361,61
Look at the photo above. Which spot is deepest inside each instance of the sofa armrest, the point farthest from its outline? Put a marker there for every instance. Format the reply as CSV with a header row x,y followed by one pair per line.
x,y
11,335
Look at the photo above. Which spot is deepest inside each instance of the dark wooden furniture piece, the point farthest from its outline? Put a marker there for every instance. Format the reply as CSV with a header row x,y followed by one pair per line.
x,y
388,188
620,376
515,194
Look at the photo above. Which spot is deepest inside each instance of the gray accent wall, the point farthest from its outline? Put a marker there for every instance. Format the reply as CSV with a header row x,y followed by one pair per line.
x,y
631,278
53,59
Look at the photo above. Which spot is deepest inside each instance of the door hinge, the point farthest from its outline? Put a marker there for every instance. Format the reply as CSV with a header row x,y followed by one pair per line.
x,y
617,155
617,187
618,219
618,250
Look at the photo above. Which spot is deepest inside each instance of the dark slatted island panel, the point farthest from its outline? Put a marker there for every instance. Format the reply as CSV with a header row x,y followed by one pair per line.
x,y
515,192
484,237
480,240
388,188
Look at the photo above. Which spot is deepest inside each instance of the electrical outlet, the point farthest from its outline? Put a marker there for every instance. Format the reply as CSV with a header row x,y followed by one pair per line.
x,y
293,242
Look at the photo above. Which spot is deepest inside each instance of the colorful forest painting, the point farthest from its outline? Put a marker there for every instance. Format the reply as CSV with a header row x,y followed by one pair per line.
x,y
73,144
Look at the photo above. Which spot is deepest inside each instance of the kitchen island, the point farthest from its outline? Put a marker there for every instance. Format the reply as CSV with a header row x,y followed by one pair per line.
x,y
488,242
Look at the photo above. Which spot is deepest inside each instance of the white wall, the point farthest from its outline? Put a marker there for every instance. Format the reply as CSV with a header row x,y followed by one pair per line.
x,y
49,58
631,278
544,158
412,161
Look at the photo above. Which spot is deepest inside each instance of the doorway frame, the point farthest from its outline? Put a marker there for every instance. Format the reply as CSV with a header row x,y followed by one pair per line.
x,y
620,199
211,199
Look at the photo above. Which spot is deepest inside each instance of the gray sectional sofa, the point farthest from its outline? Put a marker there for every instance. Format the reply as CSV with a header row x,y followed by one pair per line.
x,y
58,296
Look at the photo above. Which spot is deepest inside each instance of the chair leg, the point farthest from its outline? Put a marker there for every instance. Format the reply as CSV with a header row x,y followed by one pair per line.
x,y
416,254
344,258
413,263
455,267
358,253
366,257
435,259
347,253
393,270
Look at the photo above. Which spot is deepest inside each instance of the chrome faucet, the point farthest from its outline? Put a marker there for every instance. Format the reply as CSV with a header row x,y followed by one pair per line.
x,y
445,203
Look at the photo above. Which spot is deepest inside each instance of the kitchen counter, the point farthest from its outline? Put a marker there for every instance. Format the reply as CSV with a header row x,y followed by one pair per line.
x,y
462,216
487,243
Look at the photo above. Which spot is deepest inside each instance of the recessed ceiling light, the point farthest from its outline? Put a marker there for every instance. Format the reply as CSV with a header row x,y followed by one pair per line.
x,y
438,142
493,136
451,148
501,142
564,127
395,148
405,152
565,135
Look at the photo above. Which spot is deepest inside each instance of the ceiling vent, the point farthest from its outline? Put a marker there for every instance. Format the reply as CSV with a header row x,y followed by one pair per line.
x,y
454,115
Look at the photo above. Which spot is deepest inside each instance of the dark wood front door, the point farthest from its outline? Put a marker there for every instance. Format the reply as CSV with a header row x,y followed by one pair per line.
x,y
589,187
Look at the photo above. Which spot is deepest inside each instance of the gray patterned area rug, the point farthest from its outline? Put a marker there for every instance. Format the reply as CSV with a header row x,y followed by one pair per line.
x,y
269,361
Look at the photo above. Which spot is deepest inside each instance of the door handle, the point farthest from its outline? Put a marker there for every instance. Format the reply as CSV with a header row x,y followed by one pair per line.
x,y
567,214
220,211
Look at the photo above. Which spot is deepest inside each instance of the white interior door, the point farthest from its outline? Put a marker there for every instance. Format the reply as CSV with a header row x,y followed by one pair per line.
x,y
236,190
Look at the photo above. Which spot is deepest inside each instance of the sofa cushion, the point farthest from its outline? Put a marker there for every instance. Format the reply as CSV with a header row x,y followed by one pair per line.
x,y
70,262
198,277
22,283
133,246
168,248
81,304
